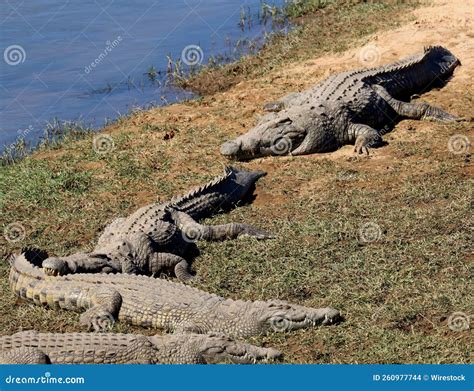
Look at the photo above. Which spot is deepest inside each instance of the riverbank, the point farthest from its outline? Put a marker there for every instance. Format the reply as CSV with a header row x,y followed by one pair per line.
x,y
88,64
397,290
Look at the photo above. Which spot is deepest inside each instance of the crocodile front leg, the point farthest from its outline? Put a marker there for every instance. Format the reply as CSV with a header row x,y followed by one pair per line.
x,y
421,111
24,355
104,307
193,231
365,137
162,261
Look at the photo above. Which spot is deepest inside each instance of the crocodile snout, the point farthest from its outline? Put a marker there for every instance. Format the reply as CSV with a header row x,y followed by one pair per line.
x,y
231,149
332,316
273,354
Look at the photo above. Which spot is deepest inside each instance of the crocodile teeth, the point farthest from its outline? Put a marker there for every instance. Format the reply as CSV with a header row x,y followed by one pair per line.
x,y
50,272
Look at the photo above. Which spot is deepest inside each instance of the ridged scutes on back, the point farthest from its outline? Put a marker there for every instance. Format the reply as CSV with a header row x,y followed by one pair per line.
x,y
22,265
178,202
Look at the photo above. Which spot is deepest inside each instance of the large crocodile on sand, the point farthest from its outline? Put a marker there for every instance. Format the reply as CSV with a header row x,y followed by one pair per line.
x,y
156,237
157,303
355,107
31,347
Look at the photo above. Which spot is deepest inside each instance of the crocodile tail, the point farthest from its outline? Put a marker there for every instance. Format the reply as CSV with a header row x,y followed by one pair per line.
x,y
24,265
418,73
220,194
34,255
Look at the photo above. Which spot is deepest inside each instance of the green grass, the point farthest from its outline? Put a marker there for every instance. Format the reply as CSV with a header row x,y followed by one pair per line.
x,y
396,293
297,9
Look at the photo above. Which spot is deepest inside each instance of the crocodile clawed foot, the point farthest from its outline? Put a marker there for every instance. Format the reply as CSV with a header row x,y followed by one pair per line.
x,y
361,150
445,117
256,233
464,119
100,321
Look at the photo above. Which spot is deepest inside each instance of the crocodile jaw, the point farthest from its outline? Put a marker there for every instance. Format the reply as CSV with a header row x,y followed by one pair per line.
x,y
276,137
220,348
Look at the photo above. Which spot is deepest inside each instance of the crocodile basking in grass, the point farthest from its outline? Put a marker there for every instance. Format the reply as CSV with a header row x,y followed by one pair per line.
x,y
31,347
157,303
156,237
355,107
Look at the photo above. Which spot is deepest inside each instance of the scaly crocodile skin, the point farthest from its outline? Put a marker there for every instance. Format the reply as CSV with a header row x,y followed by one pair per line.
x,y
157,303
355,107
156,237
31,347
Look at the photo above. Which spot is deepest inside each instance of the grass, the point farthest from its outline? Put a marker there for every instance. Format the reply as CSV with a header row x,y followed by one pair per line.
x,y
55,134
297,9
396,292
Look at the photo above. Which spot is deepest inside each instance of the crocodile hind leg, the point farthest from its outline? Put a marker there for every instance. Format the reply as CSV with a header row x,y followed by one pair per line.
x,y
189,327
365,137
160,261
193,231
104,308
24,355
422,111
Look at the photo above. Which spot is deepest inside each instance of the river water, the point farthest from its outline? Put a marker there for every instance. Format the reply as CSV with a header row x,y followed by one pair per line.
x,y
94,60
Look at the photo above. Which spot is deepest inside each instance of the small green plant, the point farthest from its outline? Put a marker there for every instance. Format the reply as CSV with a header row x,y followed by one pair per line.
x,y
298,8
152,74
14,152
245,19
269,12
174,69
55,134
242,18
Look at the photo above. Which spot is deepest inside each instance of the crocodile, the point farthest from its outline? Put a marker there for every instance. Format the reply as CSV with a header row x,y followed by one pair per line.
x,y
31,347
157,237
156,303
355,107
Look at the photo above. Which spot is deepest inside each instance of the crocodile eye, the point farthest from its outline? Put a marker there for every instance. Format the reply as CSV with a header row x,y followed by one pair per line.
x,y
279,324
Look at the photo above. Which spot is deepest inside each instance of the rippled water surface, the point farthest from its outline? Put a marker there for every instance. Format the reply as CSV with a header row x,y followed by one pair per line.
x,y
93,59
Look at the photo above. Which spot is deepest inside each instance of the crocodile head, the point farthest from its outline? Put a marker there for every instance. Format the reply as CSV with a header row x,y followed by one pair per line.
x,y
235,186
216,348
55,266
298,129
76,263
275,137
280,316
